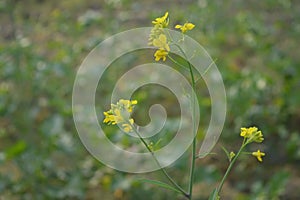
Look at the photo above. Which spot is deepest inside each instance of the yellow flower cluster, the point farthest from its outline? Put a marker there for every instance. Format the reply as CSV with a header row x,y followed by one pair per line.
x,y
161,54
185,27
120,114
161,42
162,22
158,38
247,132
157,30
252,134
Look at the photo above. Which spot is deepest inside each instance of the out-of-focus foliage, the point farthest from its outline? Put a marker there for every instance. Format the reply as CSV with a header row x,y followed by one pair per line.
x,y
42,43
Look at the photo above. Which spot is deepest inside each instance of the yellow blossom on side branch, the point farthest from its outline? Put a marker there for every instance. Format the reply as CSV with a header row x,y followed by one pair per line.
x,y
185,27
252,134
258,154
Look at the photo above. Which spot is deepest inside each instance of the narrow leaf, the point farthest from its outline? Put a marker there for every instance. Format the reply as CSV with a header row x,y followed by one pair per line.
x,y
160,184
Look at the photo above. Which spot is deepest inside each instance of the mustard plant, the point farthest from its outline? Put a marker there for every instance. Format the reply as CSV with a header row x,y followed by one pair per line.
x,y
120,113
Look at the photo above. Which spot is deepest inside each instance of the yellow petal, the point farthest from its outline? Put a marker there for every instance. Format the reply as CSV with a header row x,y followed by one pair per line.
x,y
190,26
178,26
166,15
134,102
131,121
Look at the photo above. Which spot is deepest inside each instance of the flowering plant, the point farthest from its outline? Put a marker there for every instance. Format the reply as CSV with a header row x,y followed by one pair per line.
x,y
120,113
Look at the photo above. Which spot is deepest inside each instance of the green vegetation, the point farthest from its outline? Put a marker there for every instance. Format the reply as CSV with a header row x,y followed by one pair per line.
x,y
42,43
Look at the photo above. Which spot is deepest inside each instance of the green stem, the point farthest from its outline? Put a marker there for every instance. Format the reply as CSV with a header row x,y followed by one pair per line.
x,y
157,162
229,168
194,138
177,63
192,171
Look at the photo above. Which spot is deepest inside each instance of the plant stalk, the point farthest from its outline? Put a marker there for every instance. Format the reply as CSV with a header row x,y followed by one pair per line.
x,y
157,162
192,171
229,168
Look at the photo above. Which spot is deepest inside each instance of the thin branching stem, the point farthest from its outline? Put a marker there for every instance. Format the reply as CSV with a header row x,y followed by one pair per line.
x,y
229,168
184,193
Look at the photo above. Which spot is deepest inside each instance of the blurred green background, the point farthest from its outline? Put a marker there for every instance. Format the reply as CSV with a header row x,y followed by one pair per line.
x,y
42,44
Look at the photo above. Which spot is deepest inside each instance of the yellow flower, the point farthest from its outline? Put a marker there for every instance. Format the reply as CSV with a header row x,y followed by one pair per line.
x,y
128,127
160,54
113,117
252,134
158,38
159,24
127,104
134,102
247,132
185,27
161,42
258,155
120,114
163,21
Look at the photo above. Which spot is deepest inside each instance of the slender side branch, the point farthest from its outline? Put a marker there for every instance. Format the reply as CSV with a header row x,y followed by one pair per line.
x,y
229,168
160,167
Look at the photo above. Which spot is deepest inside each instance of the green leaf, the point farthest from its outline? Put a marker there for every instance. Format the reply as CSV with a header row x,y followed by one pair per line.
x,y
15,150
277,184
160,184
